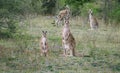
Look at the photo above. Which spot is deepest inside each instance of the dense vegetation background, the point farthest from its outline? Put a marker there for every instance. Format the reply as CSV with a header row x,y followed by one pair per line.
x,y
12,11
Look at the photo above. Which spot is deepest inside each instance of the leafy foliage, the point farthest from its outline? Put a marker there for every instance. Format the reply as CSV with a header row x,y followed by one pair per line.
x,y
48,6
76,5
115,13
8,28
12,10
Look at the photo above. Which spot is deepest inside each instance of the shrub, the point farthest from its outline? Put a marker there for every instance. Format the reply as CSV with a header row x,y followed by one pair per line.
x,y
115,14
8,28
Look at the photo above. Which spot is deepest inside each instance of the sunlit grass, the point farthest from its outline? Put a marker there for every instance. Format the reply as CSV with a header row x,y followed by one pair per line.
x,y
100,49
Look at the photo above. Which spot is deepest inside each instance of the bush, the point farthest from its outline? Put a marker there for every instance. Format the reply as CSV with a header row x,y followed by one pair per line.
x,y
95,7
76,5
8,28
48,6
115,15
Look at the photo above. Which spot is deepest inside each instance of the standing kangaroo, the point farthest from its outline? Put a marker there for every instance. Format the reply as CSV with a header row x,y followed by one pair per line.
x,y
62,14
92,20
68,40
44,44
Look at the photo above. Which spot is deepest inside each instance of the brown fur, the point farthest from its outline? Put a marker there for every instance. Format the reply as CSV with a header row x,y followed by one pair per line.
x,y
44,44
92,20
68,39
62,14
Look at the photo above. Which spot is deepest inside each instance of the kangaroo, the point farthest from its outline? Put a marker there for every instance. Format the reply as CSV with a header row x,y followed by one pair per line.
x,y
68,40
44,44
92,20
62,14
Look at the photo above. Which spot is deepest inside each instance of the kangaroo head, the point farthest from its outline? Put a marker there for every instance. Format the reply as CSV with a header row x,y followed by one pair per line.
x,y
66,21
44,33
90,12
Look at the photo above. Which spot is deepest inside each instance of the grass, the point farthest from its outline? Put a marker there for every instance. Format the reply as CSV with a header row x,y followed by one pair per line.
x,y
100,49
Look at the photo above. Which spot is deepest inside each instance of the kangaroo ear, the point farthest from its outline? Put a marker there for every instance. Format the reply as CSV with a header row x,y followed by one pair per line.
x,y
64,20
45,31
42,31
91,10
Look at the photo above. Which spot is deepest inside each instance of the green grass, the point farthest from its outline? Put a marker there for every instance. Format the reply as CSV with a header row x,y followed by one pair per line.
x,y
100,49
